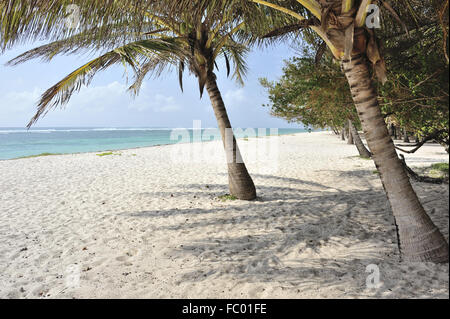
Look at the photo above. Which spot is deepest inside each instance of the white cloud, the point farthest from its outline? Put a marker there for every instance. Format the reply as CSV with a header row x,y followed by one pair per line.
x,y
231,98
234,97
163,103
90,100
99,98
156,103
18,102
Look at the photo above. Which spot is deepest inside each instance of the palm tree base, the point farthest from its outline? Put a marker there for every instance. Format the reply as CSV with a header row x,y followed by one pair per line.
x,y
240,183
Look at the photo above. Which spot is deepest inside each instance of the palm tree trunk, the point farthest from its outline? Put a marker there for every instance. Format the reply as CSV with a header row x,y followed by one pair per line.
x,y
405,136
346,129
350,136
363,151
419,238
392,130
343,134
239,181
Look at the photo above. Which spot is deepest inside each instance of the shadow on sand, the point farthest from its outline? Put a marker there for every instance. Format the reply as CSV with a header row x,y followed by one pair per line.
x,y
297,238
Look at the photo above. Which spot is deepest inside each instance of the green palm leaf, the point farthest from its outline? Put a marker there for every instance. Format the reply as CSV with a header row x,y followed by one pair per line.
x,y
143,56
147,36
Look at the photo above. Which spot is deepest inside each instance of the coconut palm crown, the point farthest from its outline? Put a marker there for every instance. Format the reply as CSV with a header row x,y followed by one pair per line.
x,y
191,38
146,36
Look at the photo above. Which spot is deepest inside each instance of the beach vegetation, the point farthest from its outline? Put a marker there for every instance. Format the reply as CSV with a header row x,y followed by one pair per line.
x,y
441,167
108,153
40,155
227,197
439,170
341,26
315,93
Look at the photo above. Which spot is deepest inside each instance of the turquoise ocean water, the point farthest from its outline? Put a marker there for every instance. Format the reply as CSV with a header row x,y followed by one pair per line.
x,y
19,142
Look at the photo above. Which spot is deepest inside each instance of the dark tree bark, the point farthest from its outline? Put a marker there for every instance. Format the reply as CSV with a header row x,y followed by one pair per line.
x,y
392,131
396,133
362,150
343,134
416,139
405,136
239,181
350,136
419,238
335,131
425,139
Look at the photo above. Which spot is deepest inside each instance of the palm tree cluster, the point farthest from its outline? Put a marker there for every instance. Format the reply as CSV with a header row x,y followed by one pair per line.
x,y
151,35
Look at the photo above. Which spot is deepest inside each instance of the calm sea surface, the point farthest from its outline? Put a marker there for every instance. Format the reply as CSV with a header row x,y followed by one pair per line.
x,y
18,142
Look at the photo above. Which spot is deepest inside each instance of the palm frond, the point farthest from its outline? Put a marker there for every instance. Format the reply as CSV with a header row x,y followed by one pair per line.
x,y
180,75
290,28
24,21
227,63
142,56
238,54
61,92
83,43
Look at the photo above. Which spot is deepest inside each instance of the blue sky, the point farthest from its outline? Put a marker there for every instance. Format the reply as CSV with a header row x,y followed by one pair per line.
x,y
106,103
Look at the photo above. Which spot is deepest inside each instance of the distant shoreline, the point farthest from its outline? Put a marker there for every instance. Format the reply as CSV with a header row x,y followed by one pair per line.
x,y
49,153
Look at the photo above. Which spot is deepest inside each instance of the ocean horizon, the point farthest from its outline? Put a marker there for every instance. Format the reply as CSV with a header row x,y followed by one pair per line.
x,y
16,142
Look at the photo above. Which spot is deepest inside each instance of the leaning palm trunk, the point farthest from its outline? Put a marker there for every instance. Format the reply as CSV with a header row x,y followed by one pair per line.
x,y
405,136
392,130
363,151
419,238
239,181
350,135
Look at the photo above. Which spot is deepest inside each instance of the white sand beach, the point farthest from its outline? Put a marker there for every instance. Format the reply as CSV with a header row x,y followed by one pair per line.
x,y
148,224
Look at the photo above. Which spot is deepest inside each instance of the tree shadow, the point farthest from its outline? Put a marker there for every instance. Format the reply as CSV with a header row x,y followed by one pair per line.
x,y
296,189
298,239
291,180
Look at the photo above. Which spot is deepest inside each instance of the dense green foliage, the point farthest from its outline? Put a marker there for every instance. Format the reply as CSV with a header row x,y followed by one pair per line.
x,y
416,96
315,95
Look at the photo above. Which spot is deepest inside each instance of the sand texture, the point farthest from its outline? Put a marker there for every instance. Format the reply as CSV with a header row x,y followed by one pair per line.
x,y
148,224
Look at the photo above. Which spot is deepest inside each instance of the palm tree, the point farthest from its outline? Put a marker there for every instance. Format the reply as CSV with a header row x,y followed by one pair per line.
x,y
147,36
341,25
362,150
350,132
